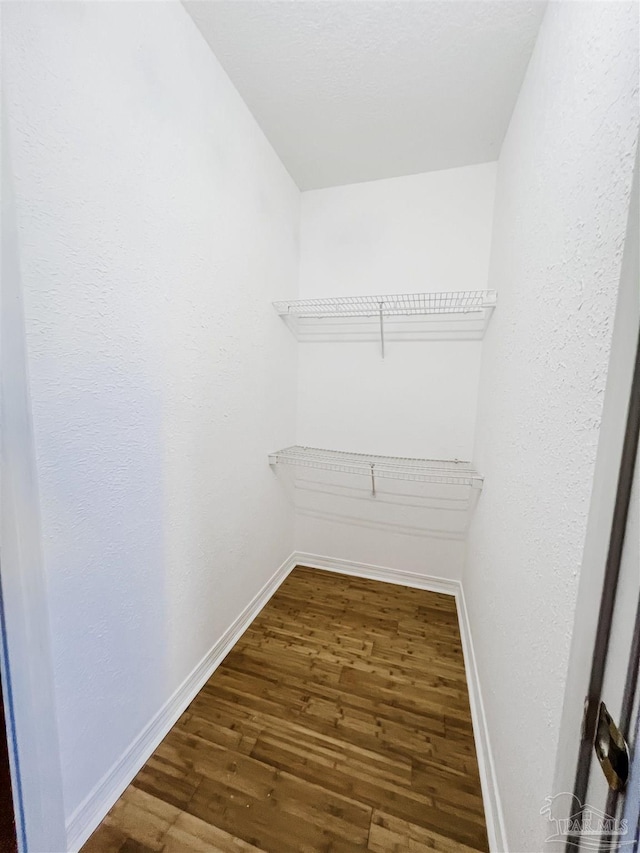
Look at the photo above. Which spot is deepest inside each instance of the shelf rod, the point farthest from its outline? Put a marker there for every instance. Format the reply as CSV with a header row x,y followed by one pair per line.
x,y
373,481
381,331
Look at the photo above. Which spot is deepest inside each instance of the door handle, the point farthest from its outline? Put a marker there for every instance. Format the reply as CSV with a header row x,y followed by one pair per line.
x,y
611,749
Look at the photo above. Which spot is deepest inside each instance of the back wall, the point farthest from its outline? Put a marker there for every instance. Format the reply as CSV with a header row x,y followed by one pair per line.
x,y
428,232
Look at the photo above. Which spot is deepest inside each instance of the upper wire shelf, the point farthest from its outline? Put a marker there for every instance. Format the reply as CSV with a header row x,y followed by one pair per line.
x,y
396,304
392,305
443,471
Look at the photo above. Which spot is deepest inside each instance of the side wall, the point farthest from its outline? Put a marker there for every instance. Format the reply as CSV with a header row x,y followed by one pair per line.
x,y
562,197
429,232
603,497
155,226
26,665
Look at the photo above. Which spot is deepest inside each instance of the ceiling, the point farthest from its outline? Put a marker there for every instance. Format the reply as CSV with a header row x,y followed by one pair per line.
x,y
357,90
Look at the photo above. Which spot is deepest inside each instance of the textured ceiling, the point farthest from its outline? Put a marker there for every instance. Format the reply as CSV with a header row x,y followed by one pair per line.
x,y
364,89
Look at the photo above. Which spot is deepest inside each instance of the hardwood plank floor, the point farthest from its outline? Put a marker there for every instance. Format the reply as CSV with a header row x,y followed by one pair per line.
x,y
340,721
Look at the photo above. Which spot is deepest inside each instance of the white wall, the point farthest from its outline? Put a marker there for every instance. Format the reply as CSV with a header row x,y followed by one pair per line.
x,y
155,226
410,234
562,197
26,665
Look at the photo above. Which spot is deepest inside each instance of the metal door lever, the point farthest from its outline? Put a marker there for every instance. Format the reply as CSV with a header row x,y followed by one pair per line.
x,y
611,749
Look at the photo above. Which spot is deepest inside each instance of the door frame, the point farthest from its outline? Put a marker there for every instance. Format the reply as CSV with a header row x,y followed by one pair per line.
x,y
606,612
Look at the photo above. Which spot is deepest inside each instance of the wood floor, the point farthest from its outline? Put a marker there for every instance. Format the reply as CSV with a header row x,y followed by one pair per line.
x,y
339,722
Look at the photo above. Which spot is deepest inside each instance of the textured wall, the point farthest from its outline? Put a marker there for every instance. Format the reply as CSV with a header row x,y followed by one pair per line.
x,y
409,234
155,224
562,196
26,663
603,496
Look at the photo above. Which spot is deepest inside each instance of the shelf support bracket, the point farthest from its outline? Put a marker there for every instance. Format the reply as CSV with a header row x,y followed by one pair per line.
x,y
381,330
373,481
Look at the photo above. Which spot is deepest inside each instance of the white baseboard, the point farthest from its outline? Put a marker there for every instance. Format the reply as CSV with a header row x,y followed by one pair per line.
x,y
488,778
95,806
377,573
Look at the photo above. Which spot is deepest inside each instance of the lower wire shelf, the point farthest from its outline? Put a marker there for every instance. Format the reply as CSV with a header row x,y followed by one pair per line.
x,y
451,472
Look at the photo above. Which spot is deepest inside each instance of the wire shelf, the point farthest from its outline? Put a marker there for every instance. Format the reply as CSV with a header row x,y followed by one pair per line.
x,y
443,471
397,304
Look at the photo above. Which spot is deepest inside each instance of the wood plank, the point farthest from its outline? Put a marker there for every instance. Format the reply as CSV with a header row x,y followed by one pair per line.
x,y
197,836
138,817
390,834
106,839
